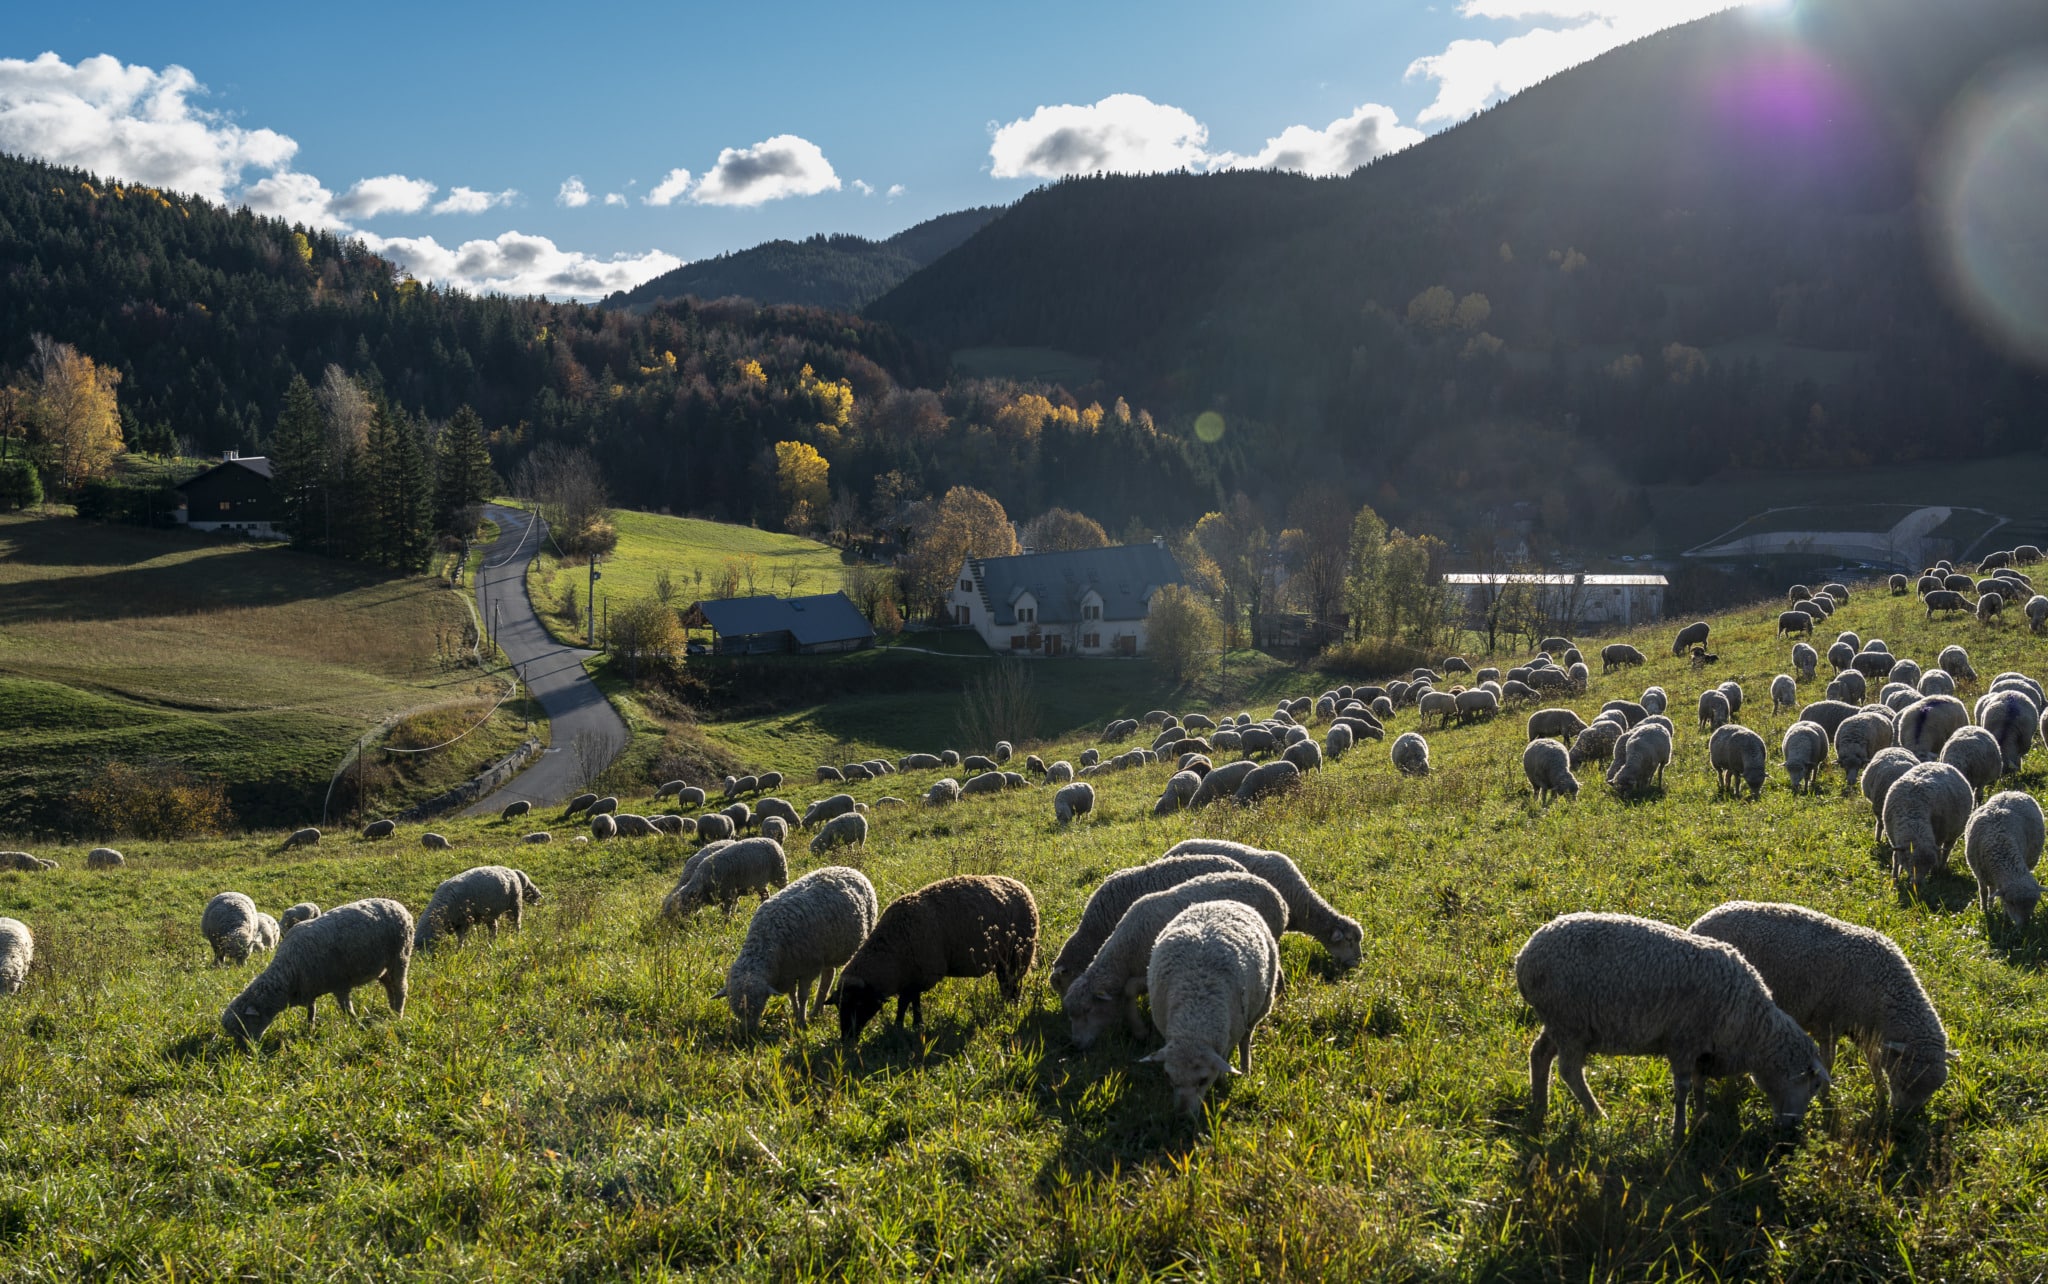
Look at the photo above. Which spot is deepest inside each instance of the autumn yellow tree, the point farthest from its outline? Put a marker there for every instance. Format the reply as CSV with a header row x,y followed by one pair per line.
x,y
966,523
1181,632
801,474
1060,530
73,416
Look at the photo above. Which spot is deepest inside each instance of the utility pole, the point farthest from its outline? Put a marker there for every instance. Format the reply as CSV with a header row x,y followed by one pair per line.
x,y
590,600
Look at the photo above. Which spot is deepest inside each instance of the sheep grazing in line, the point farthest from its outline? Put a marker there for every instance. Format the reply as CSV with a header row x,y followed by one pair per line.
x,y
1618,655
798,936
1307,912
303,912
1798,591
1548,766
475,898
987,782
435,842
1692,635
1561,723
1267,781
336,953
1410,754
965,926
1116,977
726,871
1221,783
942,791
1639,759
17,954
1654,700
231,926
1924,814
1613,984
2011,719
2002,845
1737,755
1861,737
690,796
1714,711
828,774
1828,714
1974,752
1837,979
1805,750
1790,622
1784,693
826,808
377,829
1115,896
580,803
1906,672
1213,975
603,826
1595,744
671,789
737,785
849,830
104,858
307,837
1879,775
514,810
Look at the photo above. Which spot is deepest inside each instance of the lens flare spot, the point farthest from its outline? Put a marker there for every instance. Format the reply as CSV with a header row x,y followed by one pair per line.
x,y
1990,188
1209,426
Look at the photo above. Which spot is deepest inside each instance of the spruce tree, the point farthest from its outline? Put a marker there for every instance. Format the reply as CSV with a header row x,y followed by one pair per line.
x,y
463,472
298,464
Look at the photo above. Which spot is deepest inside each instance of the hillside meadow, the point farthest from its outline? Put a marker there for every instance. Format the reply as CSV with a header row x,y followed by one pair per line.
x,y
570,1102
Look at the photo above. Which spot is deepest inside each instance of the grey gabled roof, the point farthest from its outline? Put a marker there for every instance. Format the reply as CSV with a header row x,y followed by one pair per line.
x,y
824,617
254,463
1125,575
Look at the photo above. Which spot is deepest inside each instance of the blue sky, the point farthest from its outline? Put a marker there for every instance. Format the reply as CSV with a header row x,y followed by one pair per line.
x,y
453,138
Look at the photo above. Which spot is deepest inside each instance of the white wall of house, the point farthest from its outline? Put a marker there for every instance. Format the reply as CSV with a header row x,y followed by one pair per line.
x,y
1091,635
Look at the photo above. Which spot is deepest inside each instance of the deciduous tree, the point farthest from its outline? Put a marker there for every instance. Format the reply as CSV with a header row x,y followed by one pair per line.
x,y
1181,632
966,523
75,418
1059,530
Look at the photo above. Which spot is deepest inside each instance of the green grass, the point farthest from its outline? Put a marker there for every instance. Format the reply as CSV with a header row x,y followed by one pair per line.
x,y
693,552
256,664
569,1102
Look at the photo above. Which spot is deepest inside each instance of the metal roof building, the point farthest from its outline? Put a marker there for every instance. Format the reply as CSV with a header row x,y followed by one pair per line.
x,y
777,625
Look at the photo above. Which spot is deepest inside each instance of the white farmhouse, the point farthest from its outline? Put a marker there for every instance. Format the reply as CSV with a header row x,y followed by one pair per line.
x,y
1085,602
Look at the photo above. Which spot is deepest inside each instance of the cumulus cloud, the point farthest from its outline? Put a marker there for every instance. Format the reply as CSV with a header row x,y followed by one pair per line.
x,y
387,194
614,198
669,189
1366,134
468,200
1122,134
865,189
293,197
516,263
573,194
895,190
770,170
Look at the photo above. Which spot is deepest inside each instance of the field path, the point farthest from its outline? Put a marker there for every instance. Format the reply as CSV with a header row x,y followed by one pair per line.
x,y
553,672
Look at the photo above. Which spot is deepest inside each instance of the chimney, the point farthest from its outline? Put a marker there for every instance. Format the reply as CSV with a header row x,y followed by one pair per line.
x,y
228,456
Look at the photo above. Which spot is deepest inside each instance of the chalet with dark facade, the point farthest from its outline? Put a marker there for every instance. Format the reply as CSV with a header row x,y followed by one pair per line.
x,y
237,494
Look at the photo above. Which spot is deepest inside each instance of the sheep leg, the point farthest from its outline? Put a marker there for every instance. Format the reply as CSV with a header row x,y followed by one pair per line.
x,y
348,1007
518,912
1244,1053
1541,1054
395,984
800,1000
309,1016
1571,1067
1682,1078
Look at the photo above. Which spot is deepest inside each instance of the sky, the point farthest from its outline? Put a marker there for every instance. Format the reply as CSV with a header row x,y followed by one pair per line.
x,y
573,150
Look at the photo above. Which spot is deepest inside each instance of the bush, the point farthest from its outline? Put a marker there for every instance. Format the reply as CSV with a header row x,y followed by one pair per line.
x,y
1182,632
134,502
150,800
1371,658
21,486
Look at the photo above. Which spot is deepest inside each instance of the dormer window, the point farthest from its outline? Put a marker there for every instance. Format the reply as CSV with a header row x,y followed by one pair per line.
x,y
1027,614
1091,612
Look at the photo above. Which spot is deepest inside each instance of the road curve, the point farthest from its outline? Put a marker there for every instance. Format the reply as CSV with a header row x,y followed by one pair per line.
x,y
553,672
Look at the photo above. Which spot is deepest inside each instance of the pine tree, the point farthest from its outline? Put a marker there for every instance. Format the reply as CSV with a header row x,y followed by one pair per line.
x,y
298,464
463,472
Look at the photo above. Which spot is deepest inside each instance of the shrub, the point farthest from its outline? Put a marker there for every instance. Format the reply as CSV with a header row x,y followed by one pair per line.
x,y
21,486
150,800
1182,632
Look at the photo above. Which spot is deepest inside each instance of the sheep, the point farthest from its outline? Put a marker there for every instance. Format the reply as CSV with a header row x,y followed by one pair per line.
x,y
1640,755
1975,752
1713,709
230,925
1221,783
2026,554
1117,974
2002,844
580,803
725,872
1936,682
1955,661
1307,912
712,826
1072,801
435,842
1654,700
828,774
940,792
2020,682
1872,665
1989,607
1898,585
1476,703
1737,755
1924,813
1306,755
475,898
1410,754
1849,687
1784,693
968,925
797,936
987,782
1271,779
1548,767
604,826
303,912
346,947
674,825
1362,727
849,830
2037,613
1213,975
1879,775
17,954
2011,719
1514,691
1828,714
604,806
1551,680
1805,751
1837,979
1554,643
543,836
1180,787
1957,583
1841,655
1561,723
775,827
1336,742
1790,622
1861,737
1610,983
1594,744
1115,896
1441,703
1926,724
1907,672
1944,600
826,808
514,810
1618,655
307,837
104,858
1694,634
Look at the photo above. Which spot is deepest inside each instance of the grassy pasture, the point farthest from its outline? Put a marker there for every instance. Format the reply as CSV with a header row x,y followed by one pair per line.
x,y
256,664
569,1102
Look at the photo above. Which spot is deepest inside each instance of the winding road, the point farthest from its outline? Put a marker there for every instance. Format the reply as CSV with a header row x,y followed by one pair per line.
x,y
553,672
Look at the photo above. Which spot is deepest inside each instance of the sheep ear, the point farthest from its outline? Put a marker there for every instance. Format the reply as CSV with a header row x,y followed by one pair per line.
x,y
1222,1064
1103,996
1152,1057
720,993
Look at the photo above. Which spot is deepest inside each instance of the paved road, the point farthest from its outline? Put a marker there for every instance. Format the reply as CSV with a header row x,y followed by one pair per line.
x,y
554,673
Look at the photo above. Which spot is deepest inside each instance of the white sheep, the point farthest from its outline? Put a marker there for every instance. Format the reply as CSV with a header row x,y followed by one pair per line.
x,y
17,954
1837,979
1307,912
1060,773
1180,787
2002,844
1737,755
725,871
1805,750
941,792
2011,719
1077,799
1410,753
1861,737
1974,752
1115,895
1654,700
343,949
1561,723
1879,775
1926,725
229,924
476,897
1955,661
1610,983
1784,693
798,936
1337,742
1925,811
1640,756
849,830
1213,975
1548,766
826,808
303,912
1714,711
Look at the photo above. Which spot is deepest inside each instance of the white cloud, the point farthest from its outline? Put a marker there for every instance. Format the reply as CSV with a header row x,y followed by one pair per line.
x,y
388,194
770,170
516,263
468,200
669,189
293,197
614,198
1366,134
1470,74
573,194
865,189
1123,134
895,190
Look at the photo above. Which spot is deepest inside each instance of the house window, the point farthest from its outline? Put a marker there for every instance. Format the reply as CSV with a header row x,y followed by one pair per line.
x,y
966,586
1027,615
1091,612
226,506
1019,642
1091,640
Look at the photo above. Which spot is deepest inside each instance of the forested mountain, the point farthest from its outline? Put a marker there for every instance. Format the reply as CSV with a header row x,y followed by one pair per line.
x,y
845,272
1709,248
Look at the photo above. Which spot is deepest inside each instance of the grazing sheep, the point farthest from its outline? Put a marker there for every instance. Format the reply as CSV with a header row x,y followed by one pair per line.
x,y
1610,983
2037,613
1077,799
828,774
303,912
604,806
1975,752
1514,691
797,936
104,858
1273,778
987,782
849,830
1213,975
1713,709
1737,755
2021,682
1957,583
342,949
17,954
1926,724
1936,682
1784,693
826,808
514,810
1594,744
1476,703
1306,755
1906,671
1944,600
1692,635
1989,607
377,829
1548,767
980,764
1790,622
969,925
1828,714
1654,700
1180,787
229,924
1618,655
2002,843
1004,751
1805,750
1221,783
1879,775
580,803
1955,661
1872,665
543,836
604,826
1115,896
1561,723
1924,813
435,842
1842,656
1898,585
775,827
307,837
475,898
1837,979
1336,742
726,871
1307,912
1410,754
1861,737
1441,703
1640,756
941,792
2011,719
1849,687
1116,976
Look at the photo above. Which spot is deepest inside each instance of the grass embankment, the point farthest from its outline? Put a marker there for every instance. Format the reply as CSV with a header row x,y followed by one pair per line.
x,y
693,552
255,664
569,1102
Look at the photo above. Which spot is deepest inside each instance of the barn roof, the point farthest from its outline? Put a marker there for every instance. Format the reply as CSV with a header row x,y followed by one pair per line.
x,y
822,617
257,464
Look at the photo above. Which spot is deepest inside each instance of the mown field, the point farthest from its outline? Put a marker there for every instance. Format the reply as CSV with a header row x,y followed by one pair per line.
x,y
569,1102
255,664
